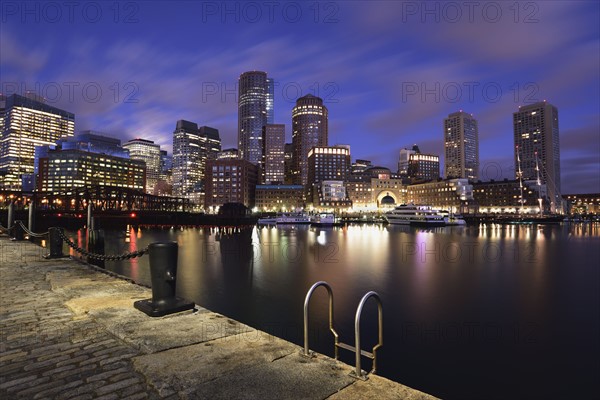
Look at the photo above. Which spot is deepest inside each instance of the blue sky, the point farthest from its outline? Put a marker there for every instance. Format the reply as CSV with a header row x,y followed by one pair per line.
x,y
389,71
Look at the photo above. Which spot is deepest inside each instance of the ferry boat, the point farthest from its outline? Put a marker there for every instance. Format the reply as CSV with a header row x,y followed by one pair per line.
x,y
292,218
267,220
415,215
324,219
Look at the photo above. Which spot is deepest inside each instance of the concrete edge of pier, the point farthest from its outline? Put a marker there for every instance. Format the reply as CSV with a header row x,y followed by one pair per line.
x,y
69,331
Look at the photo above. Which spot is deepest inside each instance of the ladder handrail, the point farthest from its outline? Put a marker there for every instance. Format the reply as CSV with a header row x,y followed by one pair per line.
x,y
358,370
331,328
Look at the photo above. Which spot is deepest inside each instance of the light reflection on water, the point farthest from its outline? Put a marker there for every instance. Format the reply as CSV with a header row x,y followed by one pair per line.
x,y
469,312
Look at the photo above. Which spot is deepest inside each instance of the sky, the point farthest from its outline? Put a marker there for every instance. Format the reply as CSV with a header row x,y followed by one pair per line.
x,y
388,71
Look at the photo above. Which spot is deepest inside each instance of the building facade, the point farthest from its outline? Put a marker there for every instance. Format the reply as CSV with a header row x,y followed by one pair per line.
x,y
461,146
273,170
255,110
536,138
309,129
230,181
192,148
368,189
500,197
452,194
26,124
149,152
423,167
279,197
65,170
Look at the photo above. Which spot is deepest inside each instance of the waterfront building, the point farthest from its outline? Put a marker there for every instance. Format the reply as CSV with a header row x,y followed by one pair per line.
x,y
27,122
451,194
149,152
273,154
536,139
279,197
417,166
309,129
66,170
326,164
368,189
230,180
330,195
505,197
255,110
461,144
587,203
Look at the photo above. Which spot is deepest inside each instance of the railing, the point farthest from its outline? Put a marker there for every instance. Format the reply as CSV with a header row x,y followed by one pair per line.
x,y
358,372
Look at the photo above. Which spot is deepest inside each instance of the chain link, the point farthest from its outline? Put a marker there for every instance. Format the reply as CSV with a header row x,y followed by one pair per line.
x,y
30,233
104,257
6,230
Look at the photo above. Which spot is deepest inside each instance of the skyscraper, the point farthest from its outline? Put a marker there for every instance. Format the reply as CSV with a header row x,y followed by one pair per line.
x,y
273,154
309,129
536,136
255,110
461,143
149,152
26,124
192,147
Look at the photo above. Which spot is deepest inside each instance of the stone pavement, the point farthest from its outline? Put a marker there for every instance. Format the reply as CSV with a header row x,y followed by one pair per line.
x,y
70,332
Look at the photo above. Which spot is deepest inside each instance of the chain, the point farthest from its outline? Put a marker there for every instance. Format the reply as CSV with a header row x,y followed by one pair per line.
x,y
125,256
6,230
30,233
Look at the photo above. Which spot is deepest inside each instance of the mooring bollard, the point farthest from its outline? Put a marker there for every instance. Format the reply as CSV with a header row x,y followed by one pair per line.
x,y
18,232
55,244
31,221
11,216
163,271
96,245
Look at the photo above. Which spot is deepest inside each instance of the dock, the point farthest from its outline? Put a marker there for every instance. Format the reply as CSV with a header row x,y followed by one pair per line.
x,y
69,331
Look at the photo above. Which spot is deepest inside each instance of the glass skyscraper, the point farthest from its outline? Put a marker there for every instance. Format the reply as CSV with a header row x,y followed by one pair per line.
x,y
309,129
255,110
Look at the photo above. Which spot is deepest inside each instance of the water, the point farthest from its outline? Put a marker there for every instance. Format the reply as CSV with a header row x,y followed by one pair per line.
x,y
475,312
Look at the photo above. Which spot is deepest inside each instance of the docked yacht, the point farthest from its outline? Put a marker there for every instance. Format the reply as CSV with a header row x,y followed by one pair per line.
x,y
323,219
452,219
415,215
292,218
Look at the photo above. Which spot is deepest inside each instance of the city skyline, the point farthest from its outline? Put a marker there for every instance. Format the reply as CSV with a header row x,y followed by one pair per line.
x,y
398,95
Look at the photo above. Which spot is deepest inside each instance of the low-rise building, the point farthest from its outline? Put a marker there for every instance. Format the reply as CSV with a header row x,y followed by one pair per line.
x,y
450,194
279,197
499,197
230,180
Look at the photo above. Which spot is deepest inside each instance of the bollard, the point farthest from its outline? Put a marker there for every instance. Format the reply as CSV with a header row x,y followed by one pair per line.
x,y
11,216
89,216
55,244
96,245
31,224
163,270
18,232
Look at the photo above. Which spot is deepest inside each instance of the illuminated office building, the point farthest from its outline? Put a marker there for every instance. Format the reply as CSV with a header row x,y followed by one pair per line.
x,y
273,165
26,124
255,110
309,129
461,146
149,152
230,180
192,148
65,170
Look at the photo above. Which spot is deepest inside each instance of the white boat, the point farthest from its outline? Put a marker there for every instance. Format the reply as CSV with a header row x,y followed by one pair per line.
x,y
415,215
292,218
452,219
324,219
267,220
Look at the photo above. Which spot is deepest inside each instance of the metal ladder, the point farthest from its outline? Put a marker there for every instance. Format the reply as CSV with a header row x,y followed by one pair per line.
x,y
358,372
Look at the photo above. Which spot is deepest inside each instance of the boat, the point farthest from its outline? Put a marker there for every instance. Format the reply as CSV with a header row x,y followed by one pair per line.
x,y
292,218
452,219
415,215
323,219
267,220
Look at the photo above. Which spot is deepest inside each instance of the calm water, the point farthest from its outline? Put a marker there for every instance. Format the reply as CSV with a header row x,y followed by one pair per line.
x,y
469,312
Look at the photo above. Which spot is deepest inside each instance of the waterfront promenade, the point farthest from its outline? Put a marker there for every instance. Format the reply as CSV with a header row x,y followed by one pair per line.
x,y
69,331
